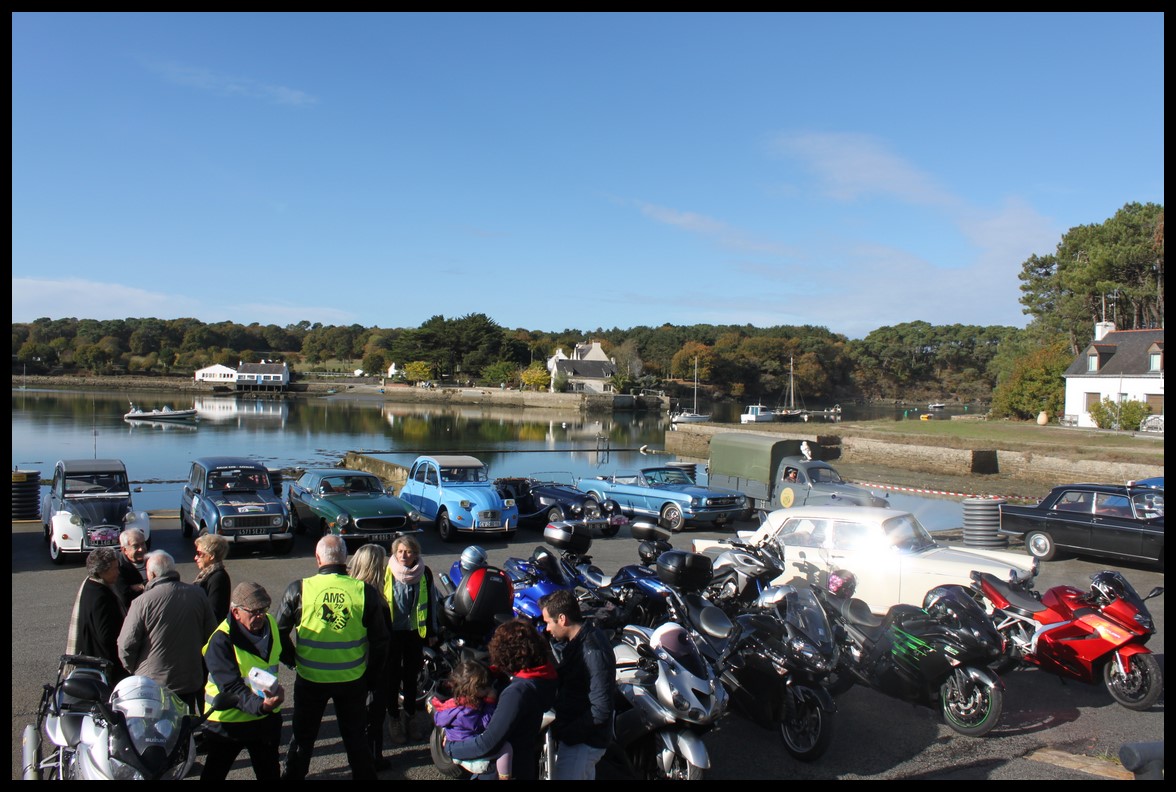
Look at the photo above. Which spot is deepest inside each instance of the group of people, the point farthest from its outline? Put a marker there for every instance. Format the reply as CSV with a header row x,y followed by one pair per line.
x,y
354,633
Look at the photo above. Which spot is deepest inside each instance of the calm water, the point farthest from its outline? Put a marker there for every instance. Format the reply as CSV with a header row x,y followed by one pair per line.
x,y
48,425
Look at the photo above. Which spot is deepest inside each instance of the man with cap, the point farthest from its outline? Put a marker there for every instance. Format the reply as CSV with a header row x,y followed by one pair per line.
x,y
339,636
246,642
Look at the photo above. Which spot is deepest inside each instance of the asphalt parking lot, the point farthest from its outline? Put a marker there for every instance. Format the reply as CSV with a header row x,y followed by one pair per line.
x,y
1050,729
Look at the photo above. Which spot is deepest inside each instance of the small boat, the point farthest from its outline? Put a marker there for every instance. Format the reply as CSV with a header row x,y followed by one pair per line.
x,y
757,413
160,414
136,424
688,416
789,412
936,406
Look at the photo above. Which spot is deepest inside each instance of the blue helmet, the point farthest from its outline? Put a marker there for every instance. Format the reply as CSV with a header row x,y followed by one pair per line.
x,y
473,557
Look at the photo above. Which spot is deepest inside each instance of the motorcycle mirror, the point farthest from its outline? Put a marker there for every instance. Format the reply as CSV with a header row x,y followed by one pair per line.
x,y
1157,591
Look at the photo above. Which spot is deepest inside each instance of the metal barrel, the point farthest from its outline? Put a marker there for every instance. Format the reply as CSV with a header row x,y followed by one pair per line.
x,y
26,494
982,522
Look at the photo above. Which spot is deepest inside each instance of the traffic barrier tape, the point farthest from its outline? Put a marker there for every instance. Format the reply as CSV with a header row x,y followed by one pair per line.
x,y
921,491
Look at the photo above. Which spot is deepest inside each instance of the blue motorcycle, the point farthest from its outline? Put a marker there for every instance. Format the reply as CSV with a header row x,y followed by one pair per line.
x,y
544,572
635,594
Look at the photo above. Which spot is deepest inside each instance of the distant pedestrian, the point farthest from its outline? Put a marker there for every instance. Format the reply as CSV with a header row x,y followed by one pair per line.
x,y
98,613
370,564
333,634
587,685
165,631
132,565
246,640
211,551
411,597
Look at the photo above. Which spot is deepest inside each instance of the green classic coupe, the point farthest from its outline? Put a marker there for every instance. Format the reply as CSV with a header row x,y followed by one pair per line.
x,y
350,503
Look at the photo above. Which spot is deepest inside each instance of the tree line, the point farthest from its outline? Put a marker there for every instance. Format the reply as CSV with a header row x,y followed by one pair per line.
x,y
1112,270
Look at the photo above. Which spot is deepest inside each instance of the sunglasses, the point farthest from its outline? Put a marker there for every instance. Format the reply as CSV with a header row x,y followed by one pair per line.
x,y
252,612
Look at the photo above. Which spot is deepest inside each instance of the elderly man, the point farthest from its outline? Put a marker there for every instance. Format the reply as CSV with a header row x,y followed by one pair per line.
x,y
165,630
245,641
132,566
339,636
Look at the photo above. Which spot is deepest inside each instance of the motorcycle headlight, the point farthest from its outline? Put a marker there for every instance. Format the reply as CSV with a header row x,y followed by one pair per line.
x,y
121,771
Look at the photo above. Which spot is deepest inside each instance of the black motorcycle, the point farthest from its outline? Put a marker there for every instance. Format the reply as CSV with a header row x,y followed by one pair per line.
x,y
771,661
937,656
743,572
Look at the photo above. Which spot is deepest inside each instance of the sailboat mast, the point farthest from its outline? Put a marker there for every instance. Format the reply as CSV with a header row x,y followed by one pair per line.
x,y
696,386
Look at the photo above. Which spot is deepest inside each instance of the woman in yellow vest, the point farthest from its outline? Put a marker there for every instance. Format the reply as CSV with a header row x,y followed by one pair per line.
x,y
245,641
411,596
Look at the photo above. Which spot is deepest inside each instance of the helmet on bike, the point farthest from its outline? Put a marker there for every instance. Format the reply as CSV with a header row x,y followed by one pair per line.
x,y
1107,585
473,557
841,583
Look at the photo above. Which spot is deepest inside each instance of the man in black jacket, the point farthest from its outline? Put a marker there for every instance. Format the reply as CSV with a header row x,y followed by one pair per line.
x,y
584,701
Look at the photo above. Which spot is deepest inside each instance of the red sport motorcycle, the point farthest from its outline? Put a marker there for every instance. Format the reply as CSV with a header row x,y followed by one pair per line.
x,y
1079,634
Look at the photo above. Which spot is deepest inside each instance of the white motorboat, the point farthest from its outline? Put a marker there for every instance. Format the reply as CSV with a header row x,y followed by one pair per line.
x,y
160,414
936,406
688,416
757,413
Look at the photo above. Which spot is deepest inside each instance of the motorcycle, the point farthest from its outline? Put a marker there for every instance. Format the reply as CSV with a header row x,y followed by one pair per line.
x,y
139,731
743,572
544,572
634,594
668,697
1082,635
937,656
772,661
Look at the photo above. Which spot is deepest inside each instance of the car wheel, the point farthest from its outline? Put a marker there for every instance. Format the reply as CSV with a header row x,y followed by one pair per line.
x,y
1041,545
445,528
48,533
554,514
185,526
55,554
671,517
299,528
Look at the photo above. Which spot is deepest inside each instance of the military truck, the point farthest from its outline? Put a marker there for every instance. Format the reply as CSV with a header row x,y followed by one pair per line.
x,y
781,474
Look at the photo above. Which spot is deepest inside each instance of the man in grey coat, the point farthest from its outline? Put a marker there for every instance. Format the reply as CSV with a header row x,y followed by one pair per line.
x,y
165,631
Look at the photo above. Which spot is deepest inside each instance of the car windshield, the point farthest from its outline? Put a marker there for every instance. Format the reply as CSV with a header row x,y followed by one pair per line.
x,y
906,533
96,484
823,475
243,480
561,477
667,476
460,475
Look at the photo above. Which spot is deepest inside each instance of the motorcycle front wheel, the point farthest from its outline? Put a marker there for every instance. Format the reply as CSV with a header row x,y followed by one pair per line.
x,y
1141,688
970,707
806,727
680,770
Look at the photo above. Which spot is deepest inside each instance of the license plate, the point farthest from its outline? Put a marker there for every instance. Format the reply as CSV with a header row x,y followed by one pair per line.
x,y
103,542
252,531
490,524
384,537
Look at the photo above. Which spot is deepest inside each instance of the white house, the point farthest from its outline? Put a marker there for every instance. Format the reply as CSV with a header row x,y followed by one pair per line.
x,y
1124,365
393,372
217,375
265,375
588,370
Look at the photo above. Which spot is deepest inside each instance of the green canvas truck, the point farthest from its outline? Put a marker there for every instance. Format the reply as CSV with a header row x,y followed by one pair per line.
x,y
781,474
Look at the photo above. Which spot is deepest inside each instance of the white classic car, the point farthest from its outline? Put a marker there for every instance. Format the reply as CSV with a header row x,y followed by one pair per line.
x,y
88,505
894,558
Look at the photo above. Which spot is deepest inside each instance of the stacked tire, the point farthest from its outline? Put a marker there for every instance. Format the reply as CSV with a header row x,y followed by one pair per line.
x,y
26,495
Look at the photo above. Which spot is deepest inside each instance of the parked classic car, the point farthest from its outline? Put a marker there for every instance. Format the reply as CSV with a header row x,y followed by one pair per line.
x,y
775,473
894,558
88,505
350,503
668,495
455,493
546,498
1124,522
236,498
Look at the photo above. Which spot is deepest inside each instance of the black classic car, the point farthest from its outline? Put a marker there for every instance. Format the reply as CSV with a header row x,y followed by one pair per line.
x,y
545,498
1124,522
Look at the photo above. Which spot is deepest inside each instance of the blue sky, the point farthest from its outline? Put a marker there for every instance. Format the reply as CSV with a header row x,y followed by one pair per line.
x,y
555,171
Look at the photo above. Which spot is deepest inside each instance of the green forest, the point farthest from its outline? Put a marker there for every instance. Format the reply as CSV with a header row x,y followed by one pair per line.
x,y
1114,269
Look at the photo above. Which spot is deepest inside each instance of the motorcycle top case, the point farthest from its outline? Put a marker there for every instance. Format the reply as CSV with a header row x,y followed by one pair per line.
x,y
648,532
688,571
481,595
567,536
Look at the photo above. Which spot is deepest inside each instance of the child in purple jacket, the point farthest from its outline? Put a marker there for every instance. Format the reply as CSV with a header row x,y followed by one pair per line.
x,y
467,713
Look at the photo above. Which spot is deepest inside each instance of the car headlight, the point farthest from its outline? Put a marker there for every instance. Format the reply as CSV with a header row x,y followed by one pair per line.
x,y
575,508
277,520
465,504
343,520
228,522
414,516
509,503
76,519
741,501
130,518
695,502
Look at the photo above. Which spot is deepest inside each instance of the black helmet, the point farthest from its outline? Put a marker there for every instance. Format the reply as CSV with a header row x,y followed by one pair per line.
x,y
841,583
473,557
1107,584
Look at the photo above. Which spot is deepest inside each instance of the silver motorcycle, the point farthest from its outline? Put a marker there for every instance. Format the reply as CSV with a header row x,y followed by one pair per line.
x,y
137,731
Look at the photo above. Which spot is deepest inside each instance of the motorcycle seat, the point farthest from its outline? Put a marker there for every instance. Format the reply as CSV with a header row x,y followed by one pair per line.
x,y
1020,602
595,576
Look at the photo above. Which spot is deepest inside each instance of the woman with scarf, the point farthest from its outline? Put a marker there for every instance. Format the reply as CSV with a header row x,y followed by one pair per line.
x,y
411,597
211,551
518,650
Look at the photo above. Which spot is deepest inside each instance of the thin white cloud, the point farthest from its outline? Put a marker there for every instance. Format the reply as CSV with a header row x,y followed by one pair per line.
x,y
716,230
850,166
227,85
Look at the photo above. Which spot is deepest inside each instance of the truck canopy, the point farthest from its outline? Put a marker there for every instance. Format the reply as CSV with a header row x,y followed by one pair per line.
x,y
750,456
